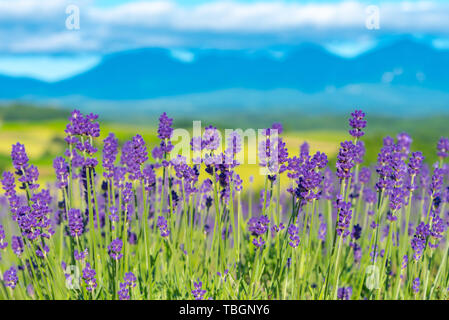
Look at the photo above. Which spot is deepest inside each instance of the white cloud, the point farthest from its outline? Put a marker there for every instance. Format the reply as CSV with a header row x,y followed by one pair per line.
x,y
182,55
45,67
39,26
350,49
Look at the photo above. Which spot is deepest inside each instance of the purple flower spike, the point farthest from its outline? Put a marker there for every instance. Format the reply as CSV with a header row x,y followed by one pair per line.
x,y
344,216
80,255
418,242
344,293
62,172
115,248
163,227
3,243
17,245
89,277
10,278
134,154
198,292
110,150
345,160
294,238
123,293
75,221
28,174
357,122
130,279
165,130
19,157
415,163
416,285
443,147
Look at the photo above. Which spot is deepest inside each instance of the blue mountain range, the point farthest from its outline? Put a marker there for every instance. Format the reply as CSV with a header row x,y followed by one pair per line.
x,y
404,76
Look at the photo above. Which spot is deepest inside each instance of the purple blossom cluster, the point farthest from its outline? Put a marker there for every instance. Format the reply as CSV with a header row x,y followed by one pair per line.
x,y
258,226
62,172
305,170
163,227
80,131
357,123
293,231
115,248
344,216
28,174
165,132
10,278
443,147
345,160
3,243
129,282
198,291
344,293
419,240
272,152
89,277
134,155
110,151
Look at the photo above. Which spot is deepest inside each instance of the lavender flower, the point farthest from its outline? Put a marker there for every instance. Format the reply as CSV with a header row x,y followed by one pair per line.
x,y
75,223
414,167
134,154
356,232
437,182
258,226
259,242
10,278
344,216
416,285
165,131
115,248
344,293
130,279
110,150
443,147
80,255
345,160
89,277
62,172
123,293
418,242
28,174
437,229
294,238
357,123
322,230
163,227
404,143
404,262
198,292
3,243
17,245
128,283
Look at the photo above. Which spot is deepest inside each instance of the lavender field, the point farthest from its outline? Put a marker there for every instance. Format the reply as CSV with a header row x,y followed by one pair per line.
x,y
114,225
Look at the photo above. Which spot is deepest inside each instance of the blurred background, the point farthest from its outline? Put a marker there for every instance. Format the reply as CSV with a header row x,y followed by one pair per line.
x,y
233,64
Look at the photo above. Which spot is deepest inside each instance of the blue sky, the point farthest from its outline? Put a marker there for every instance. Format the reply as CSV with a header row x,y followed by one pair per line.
x,y
34,40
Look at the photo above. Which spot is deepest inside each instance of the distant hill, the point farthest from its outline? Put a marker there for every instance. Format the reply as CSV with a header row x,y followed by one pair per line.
x,y
398,75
